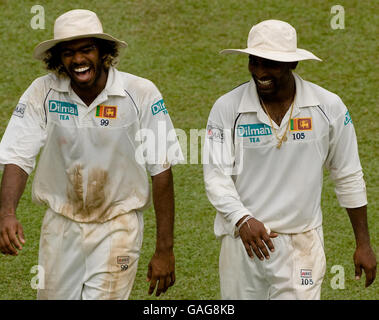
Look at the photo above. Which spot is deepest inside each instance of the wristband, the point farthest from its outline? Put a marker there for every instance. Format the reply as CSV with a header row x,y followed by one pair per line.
x,y
237,229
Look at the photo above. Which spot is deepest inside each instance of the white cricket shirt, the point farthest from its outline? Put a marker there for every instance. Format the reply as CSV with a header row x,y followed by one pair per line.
x,y
245,173
94,159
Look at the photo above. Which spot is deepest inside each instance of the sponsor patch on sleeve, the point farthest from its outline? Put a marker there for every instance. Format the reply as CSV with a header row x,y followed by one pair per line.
x,y
347,119
215,133
19,110
158,107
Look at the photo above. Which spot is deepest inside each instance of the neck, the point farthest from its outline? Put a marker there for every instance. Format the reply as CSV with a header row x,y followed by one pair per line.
x,y
89,94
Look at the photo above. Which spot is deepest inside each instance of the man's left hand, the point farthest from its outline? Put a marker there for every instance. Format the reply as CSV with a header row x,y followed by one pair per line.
x,y
364,258
161,272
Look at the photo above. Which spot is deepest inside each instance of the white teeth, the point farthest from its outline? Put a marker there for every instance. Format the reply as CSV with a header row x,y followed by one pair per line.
x,y
83,69
265,83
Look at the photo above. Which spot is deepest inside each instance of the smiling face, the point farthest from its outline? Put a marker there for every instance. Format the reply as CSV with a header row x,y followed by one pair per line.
x,y
83,64
271,77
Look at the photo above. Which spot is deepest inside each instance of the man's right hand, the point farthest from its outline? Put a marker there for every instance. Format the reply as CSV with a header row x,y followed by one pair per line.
x,y
256,239
11,235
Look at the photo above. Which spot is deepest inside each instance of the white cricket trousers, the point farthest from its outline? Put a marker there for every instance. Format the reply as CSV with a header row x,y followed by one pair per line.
x,y
89,261
294,271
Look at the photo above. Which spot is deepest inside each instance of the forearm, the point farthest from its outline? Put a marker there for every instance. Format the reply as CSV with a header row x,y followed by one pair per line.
x,y
223,195
163,199
358,219
12,186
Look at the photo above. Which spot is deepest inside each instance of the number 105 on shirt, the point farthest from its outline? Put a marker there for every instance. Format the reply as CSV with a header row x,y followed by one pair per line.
x,y
298,135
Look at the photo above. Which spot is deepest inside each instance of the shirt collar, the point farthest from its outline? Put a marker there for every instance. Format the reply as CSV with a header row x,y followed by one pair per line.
x,y
304,96
114,83
113,86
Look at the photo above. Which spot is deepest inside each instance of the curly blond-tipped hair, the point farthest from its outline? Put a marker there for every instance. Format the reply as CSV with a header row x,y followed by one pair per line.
x,y
109,51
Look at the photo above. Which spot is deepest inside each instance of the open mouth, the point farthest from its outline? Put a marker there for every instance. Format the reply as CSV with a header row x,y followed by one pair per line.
x,y
83,74
265,84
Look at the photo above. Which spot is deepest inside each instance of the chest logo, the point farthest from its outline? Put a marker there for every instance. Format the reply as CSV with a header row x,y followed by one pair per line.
x,y
109,112
301,124
253,130
63,107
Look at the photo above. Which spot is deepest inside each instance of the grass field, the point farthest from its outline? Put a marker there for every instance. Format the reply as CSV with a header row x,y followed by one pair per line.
x,y
176,45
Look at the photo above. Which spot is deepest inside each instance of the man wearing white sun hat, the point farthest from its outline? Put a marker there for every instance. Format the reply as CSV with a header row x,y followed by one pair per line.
x,y
267,143
87,116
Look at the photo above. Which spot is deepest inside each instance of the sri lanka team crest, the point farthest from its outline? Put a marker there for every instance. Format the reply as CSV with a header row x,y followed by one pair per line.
x,y
301,124
109,112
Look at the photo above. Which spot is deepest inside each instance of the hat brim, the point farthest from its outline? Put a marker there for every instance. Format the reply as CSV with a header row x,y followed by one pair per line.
x,y
298,55
41,49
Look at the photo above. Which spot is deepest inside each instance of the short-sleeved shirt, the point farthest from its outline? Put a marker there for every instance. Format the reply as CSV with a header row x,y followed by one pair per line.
x,y
95,158
245,172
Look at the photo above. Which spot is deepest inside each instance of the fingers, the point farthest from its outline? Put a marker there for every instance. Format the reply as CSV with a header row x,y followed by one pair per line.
x,y
11,237
248,249
263,250
257,251
369,270
149,272
161,283
161,286
6,245
259,248
153,283
257,239
171,279
151,279
20,233
167,282
370,277
14,240
159,279
358,271
267,240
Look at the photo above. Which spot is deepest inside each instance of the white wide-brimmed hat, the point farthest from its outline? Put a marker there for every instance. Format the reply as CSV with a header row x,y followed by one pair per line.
x,y
274,40
75,24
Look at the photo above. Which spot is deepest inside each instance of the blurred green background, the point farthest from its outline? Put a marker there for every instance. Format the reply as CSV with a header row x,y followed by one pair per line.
x,y
176,44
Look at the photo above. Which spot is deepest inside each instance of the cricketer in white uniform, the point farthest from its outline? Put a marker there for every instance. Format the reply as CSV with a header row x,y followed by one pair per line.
x,y
266,145
99,131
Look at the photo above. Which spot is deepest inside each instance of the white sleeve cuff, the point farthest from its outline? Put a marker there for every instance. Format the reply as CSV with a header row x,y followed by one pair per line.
x,y
352,200
351,191
23,166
